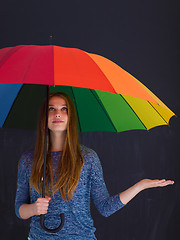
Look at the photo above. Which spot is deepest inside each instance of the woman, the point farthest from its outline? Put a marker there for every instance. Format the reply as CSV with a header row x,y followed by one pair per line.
x,y
74,174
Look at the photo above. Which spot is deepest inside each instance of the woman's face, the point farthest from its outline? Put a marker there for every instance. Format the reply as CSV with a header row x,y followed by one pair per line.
x,y
58,114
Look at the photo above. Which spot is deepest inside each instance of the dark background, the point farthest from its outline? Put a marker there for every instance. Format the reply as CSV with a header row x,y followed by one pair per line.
x,y
143,38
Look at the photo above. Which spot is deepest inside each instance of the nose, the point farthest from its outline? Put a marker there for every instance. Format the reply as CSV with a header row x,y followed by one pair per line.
x,y
58,113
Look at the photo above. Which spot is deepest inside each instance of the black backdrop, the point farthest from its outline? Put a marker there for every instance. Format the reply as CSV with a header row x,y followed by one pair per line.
x,y
143,38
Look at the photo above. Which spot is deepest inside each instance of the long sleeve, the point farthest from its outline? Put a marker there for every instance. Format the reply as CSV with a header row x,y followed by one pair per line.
x,y
22,192
106,204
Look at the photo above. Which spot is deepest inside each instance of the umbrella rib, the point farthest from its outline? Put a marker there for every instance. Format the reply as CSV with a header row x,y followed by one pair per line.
x,y
157,112
9,54
133,110
76,109
101,71
100,103
12,106
29,64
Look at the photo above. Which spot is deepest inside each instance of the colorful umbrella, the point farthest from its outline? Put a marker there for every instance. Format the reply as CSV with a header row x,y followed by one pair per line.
x,y
107,98
89,77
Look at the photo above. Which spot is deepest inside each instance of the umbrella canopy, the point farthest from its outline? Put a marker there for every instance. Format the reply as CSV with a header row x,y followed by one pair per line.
x,y
107,98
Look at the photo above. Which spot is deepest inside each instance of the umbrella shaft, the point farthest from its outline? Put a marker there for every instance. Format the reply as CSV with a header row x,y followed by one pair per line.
x,y
45,142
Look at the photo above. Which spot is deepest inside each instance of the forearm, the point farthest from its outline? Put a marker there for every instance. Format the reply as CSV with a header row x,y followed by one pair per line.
x,y
130,193
26,211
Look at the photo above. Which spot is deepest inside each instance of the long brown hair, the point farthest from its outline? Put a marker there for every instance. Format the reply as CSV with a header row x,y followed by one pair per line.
x,y
71,161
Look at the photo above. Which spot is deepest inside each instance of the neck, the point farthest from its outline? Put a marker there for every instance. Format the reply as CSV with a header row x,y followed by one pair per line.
x,y
57,140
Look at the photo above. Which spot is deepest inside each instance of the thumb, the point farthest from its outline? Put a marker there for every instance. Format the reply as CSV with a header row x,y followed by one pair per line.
x,y
48,198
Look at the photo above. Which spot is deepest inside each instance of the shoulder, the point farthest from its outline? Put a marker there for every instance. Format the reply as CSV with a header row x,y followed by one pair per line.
x,y
92,162
89,154
26,159
27,156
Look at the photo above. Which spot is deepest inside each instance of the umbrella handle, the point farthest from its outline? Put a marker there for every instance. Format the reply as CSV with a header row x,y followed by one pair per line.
x,y
52,230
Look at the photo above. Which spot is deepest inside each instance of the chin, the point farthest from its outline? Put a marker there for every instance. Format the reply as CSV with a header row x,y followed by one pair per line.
x,y
58,129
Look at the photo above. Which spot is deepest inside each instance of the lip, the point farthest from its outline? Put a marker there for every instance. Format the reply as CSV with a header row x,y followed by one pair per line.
x,y
57,121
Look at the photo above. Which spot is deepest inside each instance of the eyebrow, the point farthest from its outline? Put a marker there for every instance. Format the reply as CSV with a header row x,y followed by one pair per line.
x,y
60,105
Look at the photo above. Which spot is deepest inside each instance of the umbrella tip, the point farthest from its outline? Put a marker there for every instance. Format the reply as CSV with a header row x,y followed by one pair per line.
x,y
50,39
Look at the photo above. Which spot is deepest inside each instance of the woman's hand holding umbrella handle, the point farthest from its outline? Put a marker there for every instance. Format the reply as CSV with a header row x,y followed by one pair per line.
x,y
131,192
40,208
41,205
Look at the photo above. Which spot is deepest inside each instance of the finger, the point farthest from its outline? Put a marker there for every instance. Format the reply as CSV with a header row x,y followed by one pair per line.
x,y
41,206
43,200
168,182
49,198
42,212
41,209
46,204
162,180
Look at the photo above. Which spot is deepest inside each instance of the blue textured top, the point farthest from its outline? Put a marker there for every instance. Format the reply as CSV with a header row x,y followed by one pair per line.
x,y
78,221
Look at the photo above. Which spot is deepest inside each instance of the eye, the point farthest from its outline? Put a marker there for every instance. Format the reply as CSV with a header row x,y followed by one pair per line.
x,y
51,108
64,109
